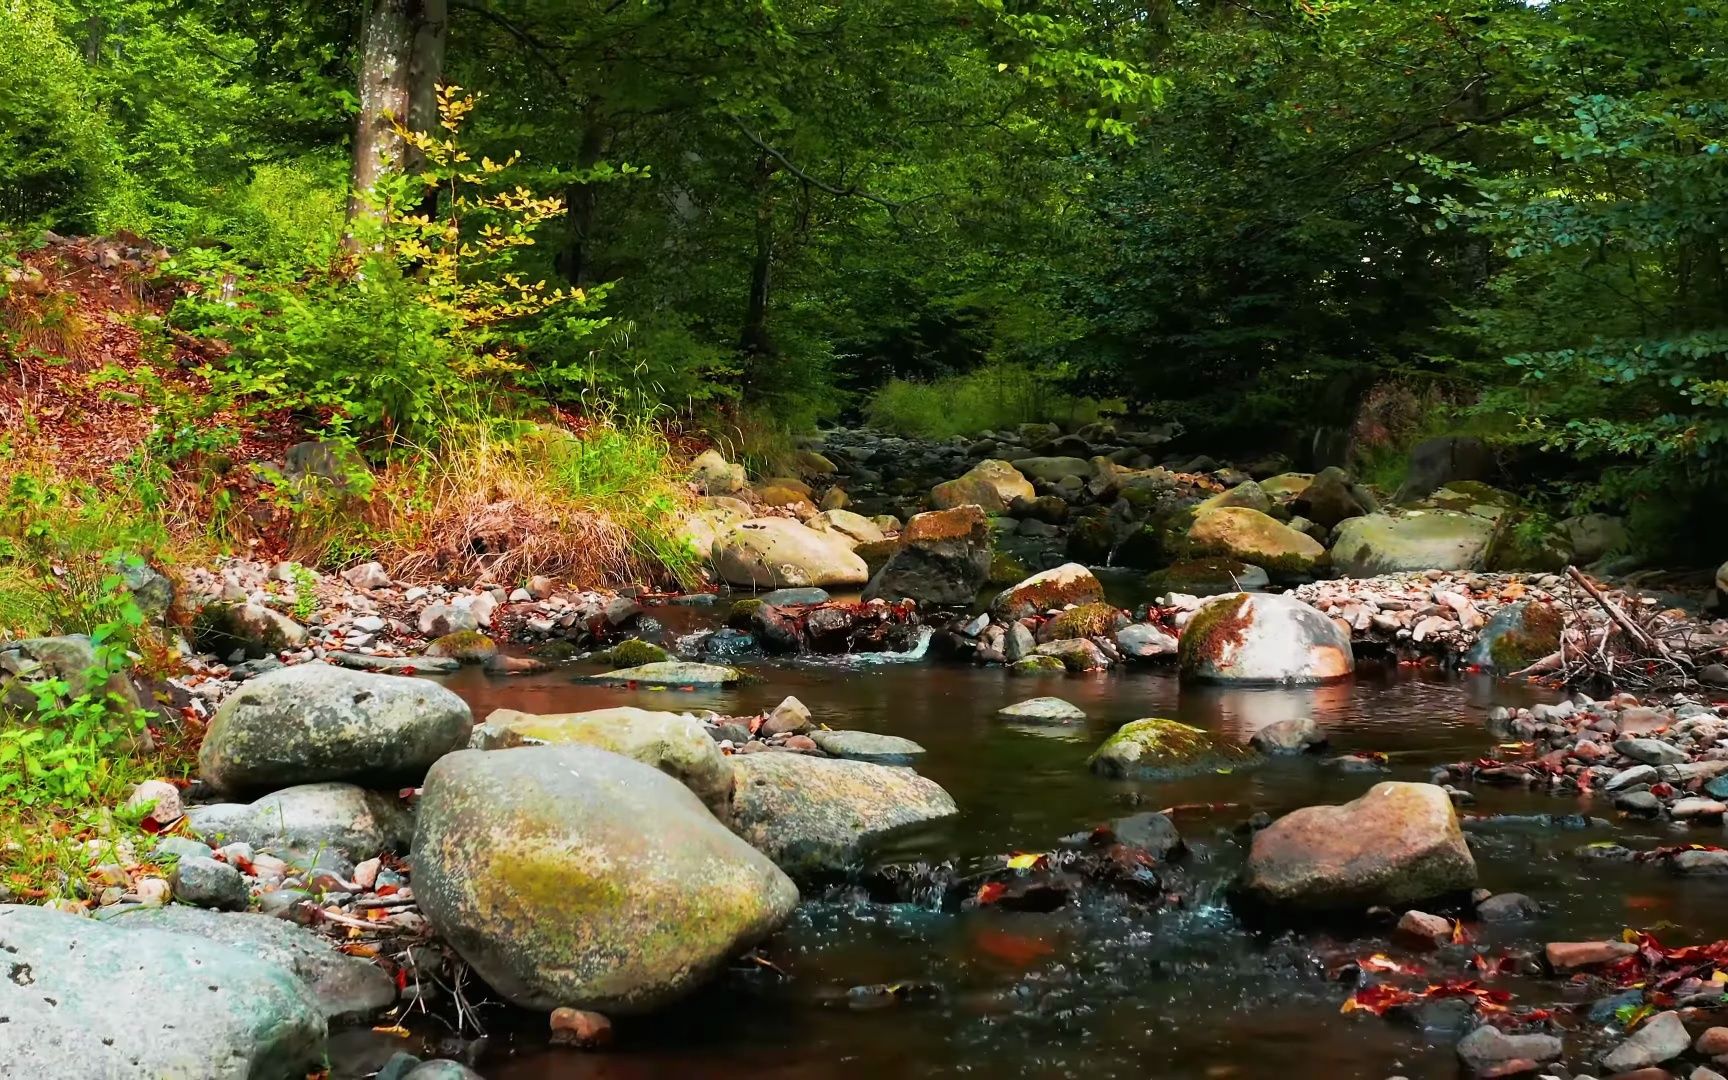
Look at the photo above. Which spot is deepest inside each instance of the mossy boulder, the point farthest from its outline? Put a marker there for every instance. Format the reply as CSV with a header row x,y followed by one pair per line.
x,y
1037,665
1207,577
1248,494
1237,532
466,646
70,659
992,485
570,876
1005,569
1398,844
1083,621
778,553
817,816
1285,488
556,651
943,558
635,652
1158,749
1517,636
677,744
1052,469
1048,590
1262,638
1332,497
743,613
673,673
1472,497
314,722
1092,538
1411,540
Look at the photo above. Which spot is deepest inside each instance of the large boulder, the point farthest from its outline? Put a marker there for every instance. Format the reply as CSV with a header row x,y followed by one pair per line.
x,y
708,520
1398,844
356,822
943,559
1524,540
84,999
1247,494
1207,577
1052,469
1472,497
1332,497
1047,590
314,722
677,744
854,529
991,484
1285,488
1595,535
228,627
345,987
1262,638
714,475
777,553
71,659
1250,536
1517,636
1159,749
569,876
1412,540
816,816
1445,458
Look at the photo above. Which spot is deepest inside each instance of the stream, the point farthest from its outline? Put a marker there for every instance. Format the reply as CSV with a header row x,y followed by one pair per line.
x,y
1101,988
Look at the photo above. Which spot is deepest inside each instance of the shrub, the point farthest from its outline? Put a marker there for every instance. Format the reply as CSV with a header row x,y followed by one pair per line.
x,y
995,396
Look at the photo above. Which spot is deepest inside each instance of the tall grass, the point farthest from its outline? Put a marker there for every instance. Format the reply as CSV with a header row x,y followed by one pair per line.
x,y
994,396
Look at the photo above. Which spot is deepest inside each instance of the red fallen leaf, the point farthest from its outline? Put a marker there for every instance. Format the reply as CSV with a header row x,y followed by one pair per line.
x,y
409,669
1460,936
1662,790
1376,999
991,892
1020,950
387,890
401,979
150,825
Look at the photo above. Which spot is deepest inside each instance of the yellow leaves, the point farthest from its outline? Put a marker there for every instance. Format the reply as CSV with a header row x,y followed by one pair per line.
x,y
1024,860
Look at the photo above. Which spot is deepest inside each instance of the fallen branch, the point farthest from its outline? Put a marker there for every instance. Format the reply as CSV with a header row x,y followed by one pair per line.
x,y
1621,619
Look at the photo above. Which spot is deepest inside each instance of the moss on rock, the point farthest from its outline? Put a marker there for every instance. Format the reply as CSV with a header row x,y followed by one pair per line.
x,y
1037,665
1155,748
635,652
1083,621
1005,569
743,614
467,646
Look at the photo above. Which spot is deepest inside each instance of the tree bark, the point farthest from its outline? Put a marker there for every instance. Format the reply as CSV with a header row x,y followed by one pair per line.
x,y
401,61
754,340
431,24
581,206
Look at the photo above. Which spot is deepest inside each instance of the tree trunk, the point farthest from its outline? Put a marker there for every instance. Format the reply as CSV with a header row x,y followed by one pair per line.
x,y
754,341
581,205
401,61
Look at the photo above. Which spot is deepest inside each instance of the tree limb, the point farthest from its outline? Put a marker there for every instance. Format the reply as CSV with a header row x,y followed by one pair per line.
x,y
852,192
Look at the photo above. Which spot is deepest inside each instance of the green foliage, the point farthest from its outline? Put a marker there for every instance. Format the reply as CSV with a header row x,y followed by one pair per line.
x,y
992,397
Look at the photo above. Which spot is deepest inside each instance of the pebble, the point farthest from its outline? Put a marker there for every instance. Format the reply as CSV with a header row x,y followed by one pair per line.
x,y
580,1027
1488,1047
1508,907
1687,809
204,882
165,797
1420,924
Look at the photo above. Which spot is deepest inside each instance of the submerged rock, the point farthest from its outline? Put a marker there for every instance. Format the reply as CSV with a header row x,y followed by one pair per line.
x,y
814,815
1158,749
1263,637
75,1004
1042,710
1398,844
677,744
315,722
1208,577
569,876
673,673
867,746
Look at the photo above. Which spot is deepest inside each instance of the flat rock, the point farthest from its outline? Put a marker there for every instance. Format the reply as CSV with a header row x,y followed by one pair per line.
x,y
672,673
76,1005
394,665
1660,1038
1488,1046
867,746
778,553
1565,956
1650,751
1042,710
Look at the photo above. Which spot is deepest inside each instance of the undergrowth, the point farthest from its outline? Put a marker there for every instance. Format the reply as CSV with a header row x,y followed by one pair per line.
x,y
995,396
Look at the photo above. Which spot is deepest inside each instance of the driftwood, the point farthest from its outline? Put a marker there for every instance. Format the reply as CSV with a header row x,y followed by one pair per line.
x,y
1602,642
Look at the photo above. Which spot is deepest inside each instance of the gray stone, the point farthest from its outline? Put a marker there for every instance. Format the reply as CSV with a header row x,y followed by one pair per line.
x,y
1262,638
78,1003
1295,735
1488,1046
1152,831
71,659
345,987
786,597
570,876
867,746
352,820
1143,641
315,722
1638,803
226,627
817,815
672,673
1650,751
1625,778
943,558
442,1069
1508,907
1660,1038
437,620
1413,540
394,665
1042,710
778,553
206,883
1017,642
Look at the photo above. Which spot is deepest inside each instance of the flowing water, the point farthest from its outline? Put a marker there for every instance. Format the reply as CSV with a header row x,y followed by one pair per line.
x,y
1102,988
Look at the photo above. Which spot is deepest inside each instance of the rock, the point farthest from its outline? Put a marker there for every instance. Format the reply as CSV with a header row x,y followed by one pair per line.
x,y
1594,536
1713,1042
369,575
315,722
856,528
74,1005
1075,654
1413,540
1696,863
1443,459
1488,1046
161,797
393,665
943,559
1207,577
1253,537
207,883
1425,927
775,553
466,647
1296,735
1247,495
1697,810
677,744
341,817
1625,778
1332,497
1151,831
1041,710
1049,590
1524,541
867,746
345,987
70,659
1082,621
714,475
673,673
1508,907
634,652
1638,803
1564,956
1145,641
991,484
224,628
1157,749
1262,638
442,1069
569,876
814,816
1037,665
1397,844
1052,469
441,620
1660,1038
1650,751
790,717
1516,636
580,1028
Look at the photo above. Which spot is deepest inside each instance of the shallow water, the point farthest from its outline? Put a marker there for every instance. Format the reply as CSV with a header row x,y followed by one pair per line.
x,y
1103,988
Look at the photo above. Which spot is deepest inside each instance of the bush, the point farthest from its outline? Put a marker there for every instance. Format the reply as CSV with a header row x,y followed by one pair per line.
x,y
995,396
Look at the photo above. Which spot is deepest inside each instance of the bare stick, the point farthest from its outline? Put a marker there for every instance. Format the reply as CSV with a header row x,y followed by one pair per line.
x,y
1621,619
